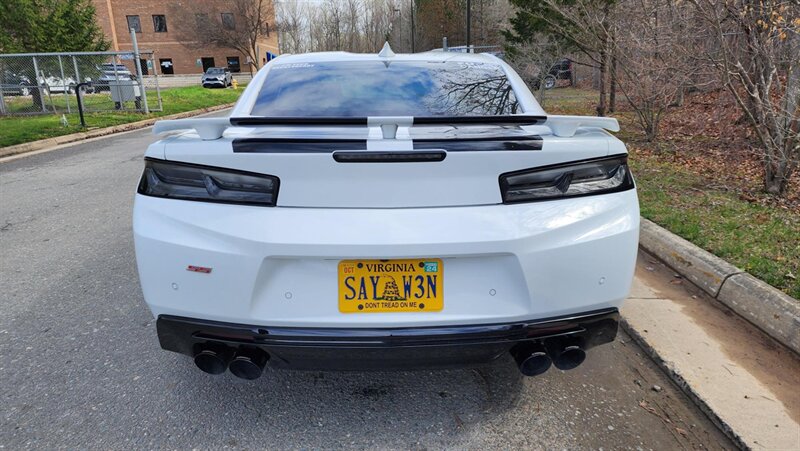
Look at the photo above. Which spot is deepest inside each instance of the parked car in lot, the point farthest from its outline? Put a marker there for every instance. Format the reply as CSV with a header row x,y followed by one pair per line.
x,y
53,84
385,212
20,85
217,77
108,77
562,70
113,67
14,84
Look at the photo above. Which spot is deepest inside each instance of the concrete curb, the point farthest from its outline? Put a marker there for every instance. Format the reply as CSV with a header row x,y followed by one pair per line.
x,y
74,137
674,375
766,307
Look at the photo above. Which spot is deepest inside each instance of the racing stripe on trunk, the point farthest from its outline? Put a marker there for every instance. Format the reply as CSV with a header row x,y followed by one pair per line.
x,y
308,145
295,145
523,143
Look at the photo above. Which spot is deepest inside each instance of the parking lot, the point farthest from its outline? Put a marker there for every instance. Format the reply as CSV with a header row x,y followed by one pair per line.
x,y
82,368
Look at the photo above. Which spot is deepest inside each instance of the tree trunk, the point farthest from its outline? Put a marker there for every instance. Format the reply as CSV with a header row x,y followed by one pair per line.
x,y
601,106
775,178
612,96
678,102
542,92
37,95
255,56
651,131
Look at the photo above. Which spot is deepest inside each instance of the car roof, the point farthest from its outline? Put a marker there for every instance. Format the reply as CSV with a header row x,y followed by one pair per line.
x,y
527,101
434,55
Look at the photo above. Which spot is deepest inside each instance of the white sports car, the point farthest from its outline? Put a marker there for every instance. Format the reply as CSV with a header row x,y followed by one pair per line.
x,y
385,211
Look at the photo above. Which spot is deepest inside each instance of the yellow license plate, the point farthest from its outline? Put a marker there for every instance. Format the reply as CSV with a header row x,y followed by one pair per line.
x,y
380,286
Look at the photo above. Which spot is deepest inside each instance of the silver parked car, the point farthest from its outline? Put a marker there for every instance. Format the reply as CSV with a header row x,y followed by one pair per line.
x,y
111,74
217,77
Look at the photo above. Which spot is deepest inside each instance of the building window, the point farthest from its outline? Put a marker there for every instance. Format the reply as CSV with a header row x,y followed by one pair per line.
x,y
207,62
233,64
167,68
228,22
133,22
201,21
266,28
159,23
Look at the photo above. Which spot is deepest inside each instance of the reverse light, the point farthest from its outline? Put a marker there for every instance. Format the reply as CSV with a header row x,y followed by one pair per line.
x,y
186,181
580,178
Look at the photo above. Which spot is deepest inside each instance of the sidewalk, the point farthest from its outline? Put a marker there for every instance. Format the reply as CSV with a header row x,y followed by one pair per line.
x,y
744,381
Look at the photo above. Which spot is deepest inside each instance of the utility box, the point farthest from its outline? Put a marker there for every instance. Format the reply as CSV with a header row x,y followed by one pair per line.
x,y
124,90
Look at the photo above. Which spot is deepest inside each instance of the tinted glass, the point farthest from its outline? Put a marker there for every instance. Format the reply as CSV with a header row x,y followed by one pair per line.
x,y
375,88
133,22
160,23
214,70
228,22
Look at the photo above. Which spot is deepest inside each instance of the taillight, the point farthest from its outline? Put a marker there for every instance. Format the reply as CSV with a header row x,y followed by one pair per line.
x,y
580,178
186,181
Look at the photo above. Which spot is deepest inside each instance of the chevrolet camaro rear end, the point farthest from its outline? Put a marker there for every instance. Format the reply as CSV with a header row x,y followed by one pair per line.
x,y
385,212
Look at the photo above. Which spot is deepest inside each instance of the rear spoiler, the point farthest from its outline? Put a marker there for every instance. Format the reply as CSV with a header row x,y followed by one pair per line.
x,y
213,128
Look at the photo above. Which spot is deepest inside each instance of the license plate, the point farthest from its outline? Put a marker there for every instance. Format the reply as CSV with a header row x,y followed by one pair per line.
x,y
381,286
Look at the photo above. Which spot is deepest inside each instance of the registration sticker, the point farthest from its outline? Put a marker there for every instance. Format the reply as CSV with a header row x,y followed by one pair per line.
x,y
385,286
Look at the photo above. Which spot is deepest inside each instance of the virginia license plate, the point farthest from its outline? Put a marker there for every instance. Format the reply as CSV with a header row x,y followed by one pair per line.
x,y
381,286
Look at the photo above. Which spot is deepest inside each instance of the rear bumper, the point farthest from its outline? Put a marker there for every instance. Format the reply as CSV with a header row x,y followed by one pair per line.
x,y
503,264
384,348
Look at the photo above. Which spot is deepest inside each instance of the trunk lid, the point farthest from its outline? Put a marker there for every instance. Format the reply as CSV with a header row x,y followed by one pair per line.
x,y
439,166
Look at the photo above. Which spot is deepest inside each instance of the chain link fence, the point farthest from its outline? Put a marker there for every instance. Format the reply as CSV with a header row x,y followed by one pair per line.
x,y
46,83
184,80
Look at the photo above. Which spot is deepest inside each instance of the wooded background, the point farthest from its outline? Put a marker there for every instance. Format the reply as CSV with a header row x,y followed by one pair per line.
x,y
645,54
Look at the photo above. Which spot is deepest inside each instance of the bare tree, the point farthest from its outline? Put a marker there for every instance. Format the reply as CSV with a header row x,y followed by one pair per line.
x,y
364,25
291,26
378,23
757,53
241,28
533,60
349,25
584,24
489,19
650,57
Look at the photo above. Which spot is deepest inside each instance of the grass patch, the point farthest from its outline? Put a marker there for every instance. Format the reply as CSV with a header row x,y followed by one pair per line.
x,y
570,100
759,238
20,129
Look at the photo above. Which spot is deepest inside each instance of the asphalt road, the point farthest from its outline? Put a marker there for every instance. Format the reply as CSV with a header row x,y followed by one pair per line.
x,y
80,365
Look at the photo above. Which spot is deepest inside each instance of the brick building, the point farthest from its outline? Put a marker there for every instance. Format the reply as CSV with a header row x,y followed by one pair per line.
x,y
171,29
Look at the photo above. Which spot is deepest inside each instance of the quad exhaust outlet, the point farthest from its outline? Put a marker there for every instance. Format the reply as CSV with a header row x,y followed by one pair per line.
x,y
245,363
248,363
213,359
534,359
566,354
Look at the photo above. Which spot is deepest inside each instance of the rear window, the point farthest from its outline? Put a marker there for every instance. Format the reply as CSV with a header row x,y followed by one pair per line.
x,y
377,88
